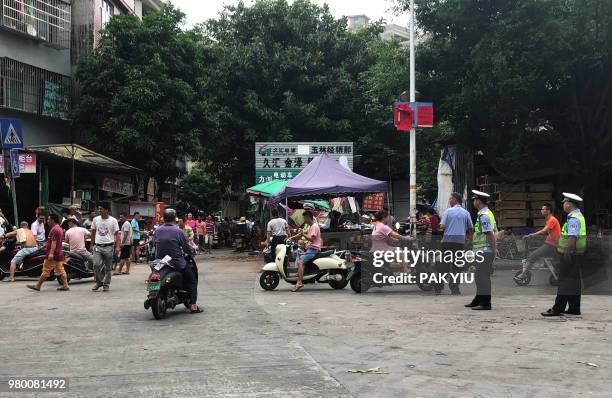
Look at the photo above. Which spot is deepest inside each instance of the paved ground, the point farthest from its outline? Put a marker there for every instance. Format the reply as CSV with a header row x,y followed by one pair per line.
x,y
281,344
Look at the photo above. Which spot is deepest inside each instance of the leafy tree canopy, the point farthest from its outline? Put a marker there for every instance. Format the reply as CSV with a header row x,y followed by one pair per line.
x,y
528,81
137,99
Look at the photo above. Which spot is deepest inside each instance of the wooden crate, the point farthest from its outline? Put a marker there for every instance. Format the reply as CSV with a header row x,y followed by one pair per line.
x,y
541,187
486,188
511,222
510,187
535,214
504,195
510,205
537,204
539,196
512,213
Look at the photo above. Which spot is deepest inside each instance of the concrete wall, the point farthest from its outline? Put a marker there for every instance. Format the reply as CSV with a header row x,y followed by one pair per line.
x,y
29,51
401,199
39,130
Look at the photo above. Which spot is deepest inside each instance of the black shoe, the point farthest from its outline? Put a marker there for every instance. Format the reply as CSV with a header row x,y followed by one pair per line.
x,y
482,307
471,305
552,312
571,312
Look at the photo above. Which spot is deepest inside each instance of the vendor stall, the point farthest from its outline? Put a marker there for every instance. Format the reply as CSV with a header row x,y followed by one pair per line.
x,y
326,178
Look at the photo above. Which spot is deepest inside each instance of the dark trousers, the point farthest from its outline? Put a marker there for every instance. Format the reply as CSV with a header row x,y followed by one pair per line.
x,y
275,241
190,282
446,267
483,279
570,284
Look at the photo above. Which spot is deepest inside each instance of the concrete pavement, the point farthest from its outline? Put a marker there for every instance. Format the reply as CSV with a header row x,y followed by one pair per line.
x,y
109,346
252,343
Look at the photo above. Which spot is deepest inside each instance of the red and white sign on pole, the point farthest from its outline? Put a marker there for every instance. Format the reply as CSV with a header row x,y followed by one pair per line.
x,y
409,115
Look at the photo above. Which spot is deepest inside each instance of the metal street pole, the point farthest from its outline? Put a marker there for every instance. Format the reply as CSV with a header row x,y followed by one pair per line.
x,y
412,130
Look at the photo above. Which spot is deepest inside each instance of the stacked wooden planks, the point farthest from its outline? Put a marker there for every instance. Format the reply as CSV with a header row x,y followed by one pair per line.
x,y
509,203
539,194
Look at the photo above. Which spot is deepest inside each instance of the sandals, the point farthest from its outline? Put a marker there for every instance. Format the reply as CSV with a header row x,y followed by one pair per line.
x,y
63,289
96,287
297,287
33,287
196,311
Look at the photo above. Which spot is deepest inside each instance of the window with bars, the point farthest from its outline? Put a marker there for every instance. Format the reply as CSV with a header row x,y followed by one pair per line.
x,y
30,89
106,12
47,20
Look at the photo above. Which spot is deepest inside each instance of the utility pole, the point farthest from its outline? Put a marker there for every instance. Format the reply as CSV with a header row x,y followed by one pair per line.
x,y
412,130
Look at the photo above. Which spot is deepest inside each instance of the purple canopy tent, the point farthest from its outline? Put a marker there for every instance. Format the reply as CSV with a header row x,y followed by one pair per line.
x,y
324,177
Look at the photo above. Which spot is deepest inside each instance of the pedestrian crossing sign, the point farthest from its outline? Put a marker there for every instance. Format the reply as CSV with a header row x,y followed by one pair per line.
x,y
12,134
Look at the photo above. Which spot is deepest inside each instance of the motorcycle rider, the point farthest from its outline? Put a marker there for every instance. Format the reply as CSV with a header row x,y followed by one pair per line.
x,y
26,239
171,241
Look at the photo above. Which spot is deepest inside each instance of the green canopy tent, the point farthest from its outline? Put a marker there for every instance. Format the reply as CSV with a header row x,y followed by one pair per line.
x,y
269,188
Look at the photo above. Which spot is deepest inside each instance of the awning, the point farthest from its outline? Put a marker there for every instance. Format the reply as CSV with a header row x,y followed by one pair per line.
x,y
83,155
269,188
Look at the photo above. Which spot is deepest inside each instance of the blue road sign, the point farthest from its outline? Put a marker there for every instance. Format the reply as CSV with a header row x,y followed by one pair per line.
x,y
12,135
15,163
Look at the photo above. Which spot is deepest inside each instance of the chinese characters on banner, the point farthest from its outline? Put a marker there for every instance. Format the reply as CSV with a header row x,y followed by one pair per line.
x,y
27,163
284,160
374,202
116,186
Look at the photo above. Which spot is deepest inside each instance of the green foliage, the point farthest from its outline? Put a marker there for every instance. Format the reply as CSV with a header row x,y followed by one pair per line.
x,y
138,101
200,190
522,80
284,73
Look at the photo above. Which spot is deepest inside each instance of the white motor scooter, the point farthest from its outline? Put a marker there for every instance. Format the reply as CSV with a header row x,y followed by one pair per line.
x,y
325,267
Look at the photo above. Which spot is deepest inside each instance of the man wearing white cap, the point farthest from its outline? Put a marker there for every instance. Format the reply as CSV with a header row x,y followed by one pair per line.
x,y
572,245
483,241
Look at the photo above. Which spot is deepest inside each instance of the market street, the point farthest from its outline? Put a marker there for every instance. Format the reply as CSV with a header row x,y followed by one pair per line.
x,y
255,343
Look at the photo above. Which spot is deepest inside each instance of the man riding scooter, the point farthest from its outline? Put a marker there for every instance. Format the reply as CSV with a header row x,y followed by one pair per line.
x,y
171,241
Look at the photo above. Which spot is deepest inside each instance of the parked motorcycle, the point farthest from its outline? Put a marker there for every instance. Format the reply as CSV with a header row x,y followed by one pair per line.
x,y
77,267
326,267
361,276
30,267
165,287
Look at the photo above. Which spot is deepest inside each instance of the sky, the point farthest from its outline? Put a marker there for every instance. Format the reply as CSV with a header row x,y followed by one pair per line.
x,y
200,10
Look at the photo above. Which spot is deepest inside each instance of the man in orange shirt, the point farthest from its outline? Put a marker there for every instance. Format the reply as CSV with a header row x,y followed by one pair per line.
x,y
552,231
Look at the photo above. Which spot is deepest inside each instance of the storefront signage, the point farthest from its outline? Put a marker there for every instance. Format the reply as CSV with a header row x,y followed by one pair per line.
x,y
27,163
116,186
285,160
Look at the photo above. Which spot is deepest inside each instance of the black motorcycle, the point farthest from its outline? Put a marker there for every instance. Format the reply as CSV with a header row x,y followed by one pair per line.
x,y
30,267
362,275
76,267
166,289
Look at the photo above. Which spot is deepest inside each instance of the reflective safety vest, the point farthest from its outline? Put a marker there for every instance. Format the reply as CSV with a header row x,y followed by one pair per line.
x,y
581,240
480,239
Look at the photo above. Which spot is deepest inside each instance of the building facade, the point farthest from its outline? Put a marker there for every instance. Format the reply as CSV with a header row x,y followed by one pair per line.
x,y
391,31
35,72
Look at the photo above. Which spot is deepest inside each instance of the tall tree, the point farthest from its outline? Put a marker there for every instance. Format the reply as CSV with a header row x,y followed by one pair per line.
x,y
524,80
138,99
285,72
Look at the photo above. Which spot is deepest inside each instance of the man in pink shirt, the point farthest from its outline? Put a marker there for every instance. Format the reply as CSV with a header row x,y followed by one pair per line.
x,y
75,237
313,236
